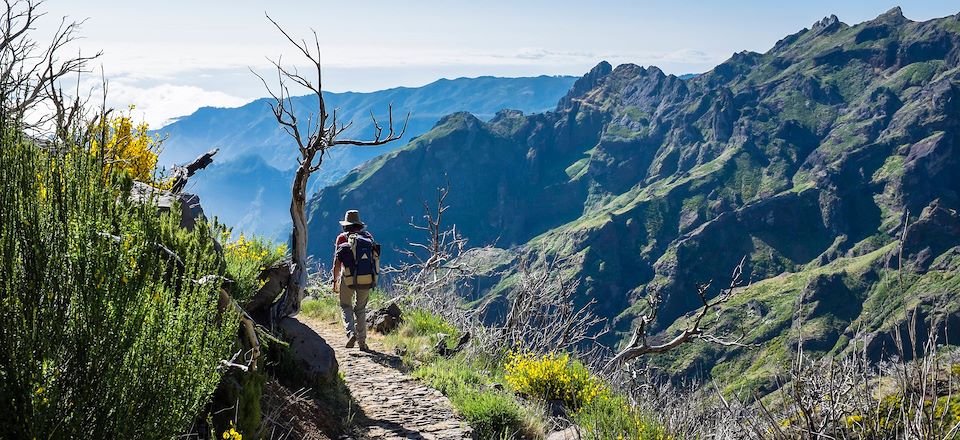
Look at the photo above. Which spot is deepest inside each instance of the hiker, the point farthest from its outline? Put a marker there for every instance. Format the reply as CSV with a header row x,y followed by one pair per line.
x,y
356,261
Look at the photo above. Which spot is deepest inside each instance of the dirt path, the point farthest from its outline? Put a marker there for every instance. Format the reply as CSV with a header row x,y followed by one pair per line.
x,y
392,404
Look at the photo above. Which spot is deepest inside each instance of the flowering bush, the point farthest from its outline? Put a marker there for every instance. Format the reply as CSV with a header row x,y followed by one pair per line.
x,y
126,146
552,377
232,434
246,258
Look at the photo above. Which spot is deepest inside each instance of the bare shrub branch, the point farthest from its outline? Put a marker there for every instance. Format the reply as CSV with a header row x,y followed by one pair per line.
x,y
543,316
30,71
639,344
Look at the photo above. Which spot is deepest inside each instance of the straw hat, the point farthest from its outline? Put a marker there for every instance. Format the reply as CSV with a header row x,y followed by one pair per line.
x,y
352,217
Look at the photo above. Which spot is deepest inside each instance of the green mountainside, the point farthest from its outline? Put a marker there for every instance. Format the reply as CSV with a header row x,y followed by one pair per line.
x,y
806,159
249,184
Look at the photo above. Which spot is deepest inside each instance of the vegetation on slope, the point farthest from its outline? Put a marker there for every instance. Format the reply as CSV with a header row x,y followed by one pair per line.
x,y
110,321
816,152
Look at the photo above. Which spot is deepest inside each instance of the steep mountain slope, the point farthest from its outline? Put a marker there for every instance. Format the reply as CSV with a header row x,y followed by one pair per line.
x,y
805,159
250,131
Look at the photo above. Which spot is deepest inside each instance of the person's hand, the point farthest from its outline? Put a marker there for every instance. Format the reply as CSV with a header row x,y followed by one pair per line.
x,y
336,286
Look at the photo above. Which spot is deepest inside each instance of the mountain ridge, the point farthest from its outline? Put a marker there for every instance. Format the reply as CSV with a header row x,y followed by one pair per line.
x,y
805,159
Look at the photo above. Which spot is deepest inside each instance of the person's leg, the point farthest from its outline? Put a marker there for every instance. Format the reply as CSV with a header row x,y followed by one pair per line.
x,y
360,310
346,309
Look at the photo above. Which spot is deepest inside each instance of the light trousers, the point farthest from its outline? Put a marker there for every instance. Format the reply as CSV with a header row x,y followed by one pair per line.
x,y
353,305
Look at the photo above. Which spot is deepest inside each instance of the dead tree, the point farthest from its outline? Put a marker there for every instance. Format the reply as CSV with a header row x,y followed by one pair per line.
x,y
543,316
181,174
30,71
435,262
313,138
640,345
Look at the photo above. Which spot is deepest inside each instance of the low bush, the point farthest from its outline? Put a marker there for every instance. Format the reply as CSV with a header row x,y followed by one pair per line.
x,y
609,416
449,376
418,335
423,323
552,377
491,414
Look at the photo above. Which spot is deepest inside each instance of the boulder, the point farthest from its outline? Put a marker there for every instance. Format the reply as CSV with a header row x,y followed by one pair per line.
x,y
275,280
385,319
314,355
189,204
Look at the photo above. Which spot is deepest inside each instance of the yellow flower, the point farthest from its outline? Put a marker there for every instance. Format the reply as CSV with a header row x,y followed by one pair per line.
x,y
854,420
232,434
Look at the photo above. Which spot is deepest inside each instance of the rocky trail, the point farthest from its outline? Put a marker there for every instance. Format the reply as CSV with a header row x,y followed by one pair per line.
x,y
392,405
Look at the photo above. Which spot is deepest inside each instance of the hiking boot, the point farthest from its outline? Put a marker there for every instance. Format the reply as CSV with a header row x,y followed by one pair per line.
x,y
364,346
351,341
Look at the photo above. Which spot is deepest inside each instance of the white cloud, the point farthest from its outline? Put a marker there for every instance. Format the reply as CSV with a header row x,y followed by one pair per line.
x,y
160,104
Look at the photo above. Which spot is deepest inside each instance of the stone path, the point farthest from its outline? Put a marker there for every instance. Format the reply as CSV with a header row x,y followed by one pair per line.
x,y
394,405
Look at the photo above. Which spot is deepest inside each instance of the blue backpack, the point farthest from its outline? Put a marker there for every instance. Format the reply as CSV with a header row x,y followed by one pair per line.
x,y
360,257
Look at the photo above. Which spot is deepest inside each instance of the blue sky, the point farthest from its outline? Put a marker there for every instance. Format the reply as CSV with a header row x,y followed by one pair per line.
x,y
172,57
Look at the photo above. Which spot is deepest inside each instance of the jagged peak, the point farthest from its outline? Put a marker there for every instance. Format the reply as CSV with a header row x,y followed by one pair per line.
x,y
602,68
826,22
655,71
748,55
895,13
893,16
586,83
827,25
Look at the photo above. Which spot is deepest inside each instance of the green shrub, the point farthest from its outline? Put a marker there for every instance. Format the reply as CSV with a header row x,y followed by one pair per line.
x,y
246,258
450,375
491,414
418,335
242,392
103,334
423,323
611,417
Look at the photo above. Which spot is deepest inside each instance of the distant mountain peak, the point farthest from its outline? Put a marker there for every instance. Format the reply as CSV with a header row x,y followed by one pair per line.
x,y
894,15
586,83
463,118
827,25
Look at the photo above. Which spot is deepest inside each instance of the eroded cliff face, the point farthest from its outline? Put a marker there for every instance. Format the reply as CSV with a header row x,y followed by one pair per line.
x,y
805,159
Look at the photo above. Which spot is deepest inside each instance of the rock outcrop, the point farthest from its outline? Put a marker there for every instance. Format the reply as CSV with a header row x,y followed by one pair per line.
x,y
316,358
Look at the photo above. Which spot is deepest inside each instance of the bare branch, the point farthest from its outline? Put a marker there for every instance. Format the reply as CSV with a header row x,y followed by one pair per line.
x,y
639,345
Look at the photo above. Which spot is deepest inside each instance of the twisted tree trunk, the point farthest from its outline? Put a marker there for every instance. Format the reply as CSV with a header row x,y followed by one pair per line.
x,y
296,289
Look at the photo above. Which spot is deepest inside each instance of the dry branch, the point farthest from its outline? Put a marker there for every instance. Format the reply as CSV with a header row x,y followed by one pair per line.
x,y
639,344
30,73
